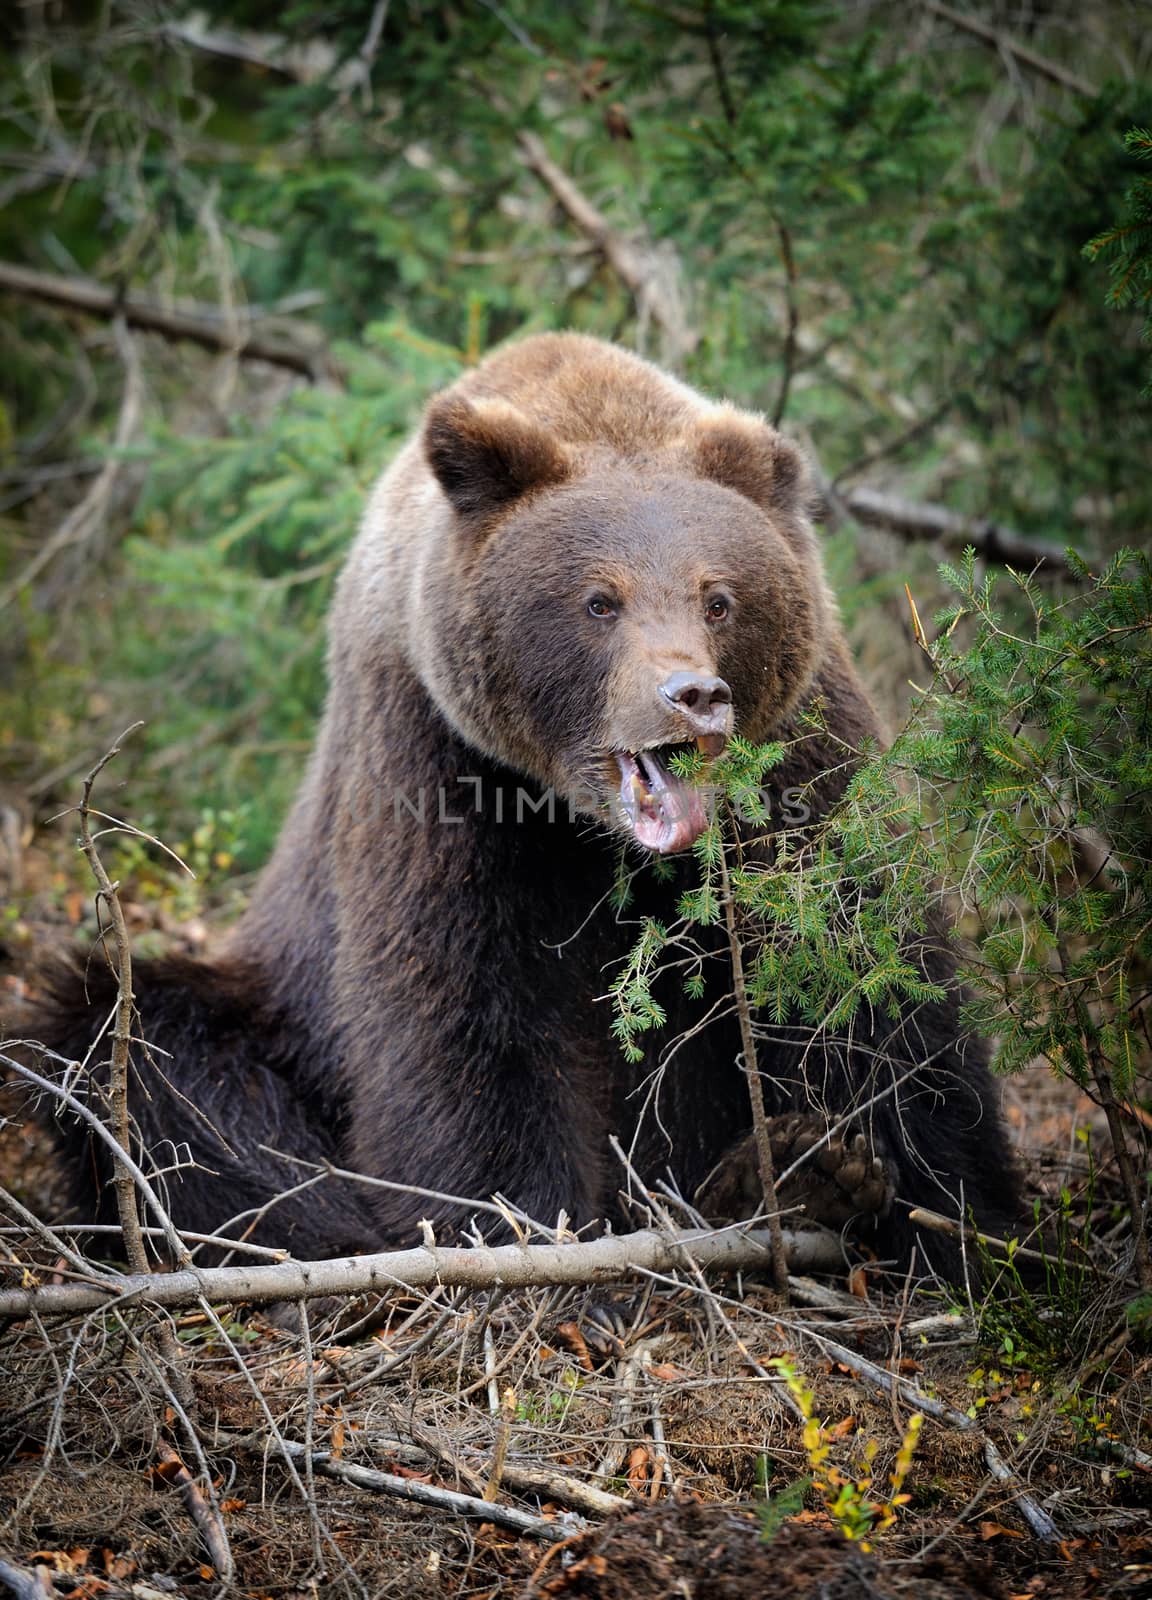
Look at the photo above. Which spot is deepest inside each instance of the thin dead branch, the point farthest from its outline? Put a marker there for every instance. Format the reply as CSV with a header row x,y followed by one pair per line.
x,y
425,1494
792,320
27,1585
755,1085
208,1524
120,1126
937,1223
304,351
1005,44
639,266
916,521
77,1108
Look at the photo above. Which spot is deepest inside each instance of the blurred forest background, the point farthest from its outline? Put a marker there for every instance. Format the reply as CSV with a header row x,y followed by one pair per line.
x,y
242,243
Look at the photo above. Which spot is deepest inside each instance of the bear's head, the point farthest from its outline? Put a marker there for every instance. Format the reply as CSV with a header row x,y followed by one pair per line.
x,y
592,613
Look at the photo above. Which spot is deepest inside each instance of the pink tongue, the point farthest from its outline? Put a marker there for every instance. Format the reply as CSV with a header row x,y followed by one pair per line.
x,y
666,813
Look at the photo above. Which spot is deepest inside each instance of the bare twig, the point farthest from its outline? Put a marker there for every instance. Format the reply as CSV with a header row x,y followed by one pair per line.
x,y
1134,1187
549,1485
432,1445
937,1223
240,1246
425,1494
792,327
119,1121
1034,1515
49,1237
1007,45
26,1585
500,1449
119,1153
466,1203
620,1422
512,1266
719,70
369,49
755,1085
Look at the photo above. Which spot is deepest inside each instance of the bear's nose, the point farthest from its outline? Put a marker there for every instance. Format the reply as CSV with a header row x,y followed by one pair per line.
x,y
706,702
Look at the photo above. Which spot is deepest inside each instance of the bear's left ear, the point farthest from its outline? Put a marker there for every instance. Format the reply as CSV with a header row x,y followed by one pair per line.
x,y
486,454
746,455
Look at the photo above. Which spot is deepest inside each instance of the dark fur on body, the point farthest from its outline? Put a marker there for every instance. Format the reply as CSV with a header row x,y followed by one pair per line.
x,y
423,1000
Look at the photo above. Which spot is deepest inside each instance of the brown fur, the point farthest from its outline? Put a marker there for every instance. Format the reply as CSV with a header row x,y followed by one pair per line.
x,y
440,981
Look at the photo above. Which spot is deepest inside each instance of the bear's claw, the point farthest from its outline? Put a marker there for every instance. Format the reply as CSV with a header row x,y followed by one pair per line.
x,y
839,1180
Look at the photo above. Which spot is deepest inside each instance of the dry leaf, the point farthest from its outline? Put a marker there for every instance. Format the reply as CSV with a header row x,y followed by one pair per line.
x,y
997,1530
858,1283
570,1336
637,1472
58,1560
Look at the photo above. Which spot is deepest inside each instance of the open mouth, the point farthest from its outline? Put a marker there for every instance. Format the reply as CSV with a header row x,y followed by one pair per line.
x,y
664,811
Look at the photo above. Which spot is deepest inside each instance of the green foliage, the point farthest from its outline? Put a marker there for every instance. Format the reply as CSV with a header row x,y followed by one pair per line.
x,y
1036,1320
850,1498
1127,245
1019,794
785,1503
856,244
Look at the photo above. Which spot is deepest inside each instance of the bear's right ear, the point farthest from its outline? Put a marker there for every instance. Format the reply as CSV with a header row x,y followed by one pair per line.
x,y
486,455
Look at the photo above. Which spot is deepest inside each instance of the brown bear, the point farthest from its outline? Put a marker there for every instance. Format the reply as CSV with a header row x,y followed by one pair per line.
x,y
574,568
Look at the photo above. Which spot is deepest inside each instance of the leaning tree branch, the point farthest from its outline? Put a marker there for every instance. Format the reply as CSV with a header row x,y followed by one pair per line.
x,y
917,521
638,267
511,1266
1052,70
306,353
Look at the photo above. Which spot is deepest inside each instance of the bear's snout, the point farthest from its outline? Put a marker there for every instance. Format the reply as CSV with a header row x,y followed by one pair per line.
x,y
705,703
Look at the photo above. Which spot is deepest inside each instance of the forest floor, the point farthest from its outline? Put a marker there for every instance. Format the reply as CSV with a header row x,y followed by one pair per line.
x,y
660,1393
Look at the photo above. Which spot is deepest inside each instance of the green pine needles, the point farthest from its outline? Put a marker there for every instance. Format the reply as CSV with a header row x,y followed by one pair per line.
x,y
1016,805
1127,245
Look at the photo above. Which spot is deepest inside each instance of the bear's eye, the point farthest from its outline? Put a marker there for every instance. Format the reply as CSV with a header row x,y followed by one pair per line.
x,y
717,610
601,606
